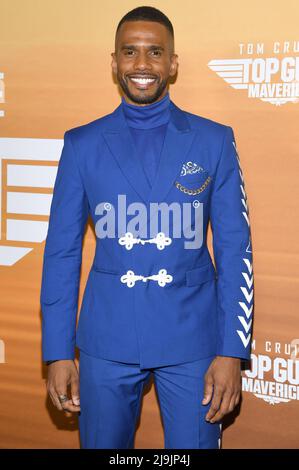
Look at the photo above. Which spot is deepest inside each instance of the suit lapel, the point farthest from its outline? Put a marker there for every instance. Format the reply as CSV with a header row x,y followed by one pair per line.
x,y
121,145
177,143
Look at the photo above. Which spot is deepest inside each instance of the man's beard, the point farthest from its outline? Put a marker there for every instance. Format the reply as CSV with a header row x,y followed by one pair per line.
x,y
142,99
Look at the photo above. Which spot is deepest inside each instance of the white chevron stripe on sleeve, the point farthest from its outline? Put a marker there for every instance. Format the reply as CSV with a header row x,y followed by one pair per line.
x,y
248,311
248,295
246,325
249,281
248,264
244,340
246,218
244,204
243,191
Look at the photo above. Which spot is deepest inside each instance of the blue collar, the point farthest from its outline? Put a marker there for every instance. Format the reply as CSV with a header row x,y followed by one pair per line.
x,y
148,116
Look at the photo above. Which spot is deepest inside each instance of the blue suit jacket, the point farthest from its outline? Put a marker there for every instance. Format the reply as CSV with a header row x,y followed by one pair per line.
x,y
190,309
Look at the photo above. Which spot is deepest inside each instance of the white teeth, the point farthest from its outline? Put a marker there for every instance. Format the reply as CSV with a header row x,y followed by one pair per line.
x,y
143,81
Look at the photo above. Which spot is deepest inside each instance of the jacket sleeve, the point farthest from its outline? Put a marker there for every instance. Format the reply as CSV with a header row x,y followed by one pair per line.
x,y
232,249
62,258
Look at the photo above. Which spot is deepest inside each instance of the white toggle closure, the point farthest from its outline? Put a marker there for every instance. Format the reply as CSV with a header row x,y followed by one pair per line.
x,y
160,240
162,277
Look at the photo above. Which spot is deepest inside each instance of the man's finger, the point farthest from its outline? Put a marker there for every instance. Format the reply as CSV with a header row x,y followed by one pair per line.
x,y
69,406
237,399
216,401
208,391
54,399
75,392
61,391
223,410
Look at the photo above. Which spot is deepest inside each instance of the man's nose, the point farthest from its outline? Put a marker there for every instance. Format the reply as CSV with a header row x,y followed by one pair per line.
x,y
142,61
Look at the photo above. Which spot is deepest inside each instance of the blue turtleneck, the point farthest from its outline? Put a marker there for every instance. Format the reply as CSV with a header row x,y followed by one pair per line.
x,y
148,126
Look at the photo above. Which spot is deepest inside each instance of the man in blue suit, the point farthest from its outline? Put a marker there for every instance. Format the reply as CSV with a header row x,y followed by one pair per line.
x,y
152,177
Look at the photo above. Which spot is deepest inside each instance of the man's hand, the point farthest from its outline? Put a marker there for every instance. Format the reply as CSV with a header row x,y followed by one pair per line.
x,y
60,374
223,382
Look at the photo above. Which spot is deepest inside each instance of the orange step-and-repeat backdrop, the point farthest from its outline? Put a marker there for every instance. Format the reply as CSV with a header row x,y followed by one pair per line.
x,y
238,65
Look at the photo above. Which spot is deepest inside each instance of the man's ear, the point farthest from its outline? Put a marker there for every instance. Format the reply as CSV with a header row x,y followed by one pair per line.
x,y
173,65
114,63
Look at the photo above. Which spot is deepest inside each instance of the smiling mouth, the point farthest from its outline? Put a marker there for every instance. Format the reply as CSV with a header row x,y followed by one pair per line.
x,y
142,83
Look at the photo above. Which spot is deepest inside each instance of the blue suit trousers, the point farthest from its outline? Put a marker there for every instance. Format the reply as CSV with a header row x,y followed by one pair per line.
x,y
110,399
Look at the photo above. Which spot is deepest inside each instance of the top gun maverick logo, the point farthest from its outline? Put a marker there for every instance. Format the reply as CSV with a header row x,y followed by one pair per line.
x,y
274,373
268,73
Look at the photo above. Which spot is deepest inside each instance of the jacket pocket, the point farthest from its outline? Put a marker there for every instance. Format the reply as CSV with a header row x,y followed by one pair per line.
x,y
99,269
198,178
200,275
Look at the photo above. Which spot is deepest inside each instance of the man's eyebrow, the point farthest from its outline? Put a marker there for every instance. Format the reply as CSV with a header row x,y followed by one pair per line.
x,y
132,46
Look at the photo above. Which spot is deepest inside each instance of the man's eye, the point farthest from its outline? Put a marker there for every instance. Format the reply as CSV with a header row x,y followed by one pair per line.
x,y
157,52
